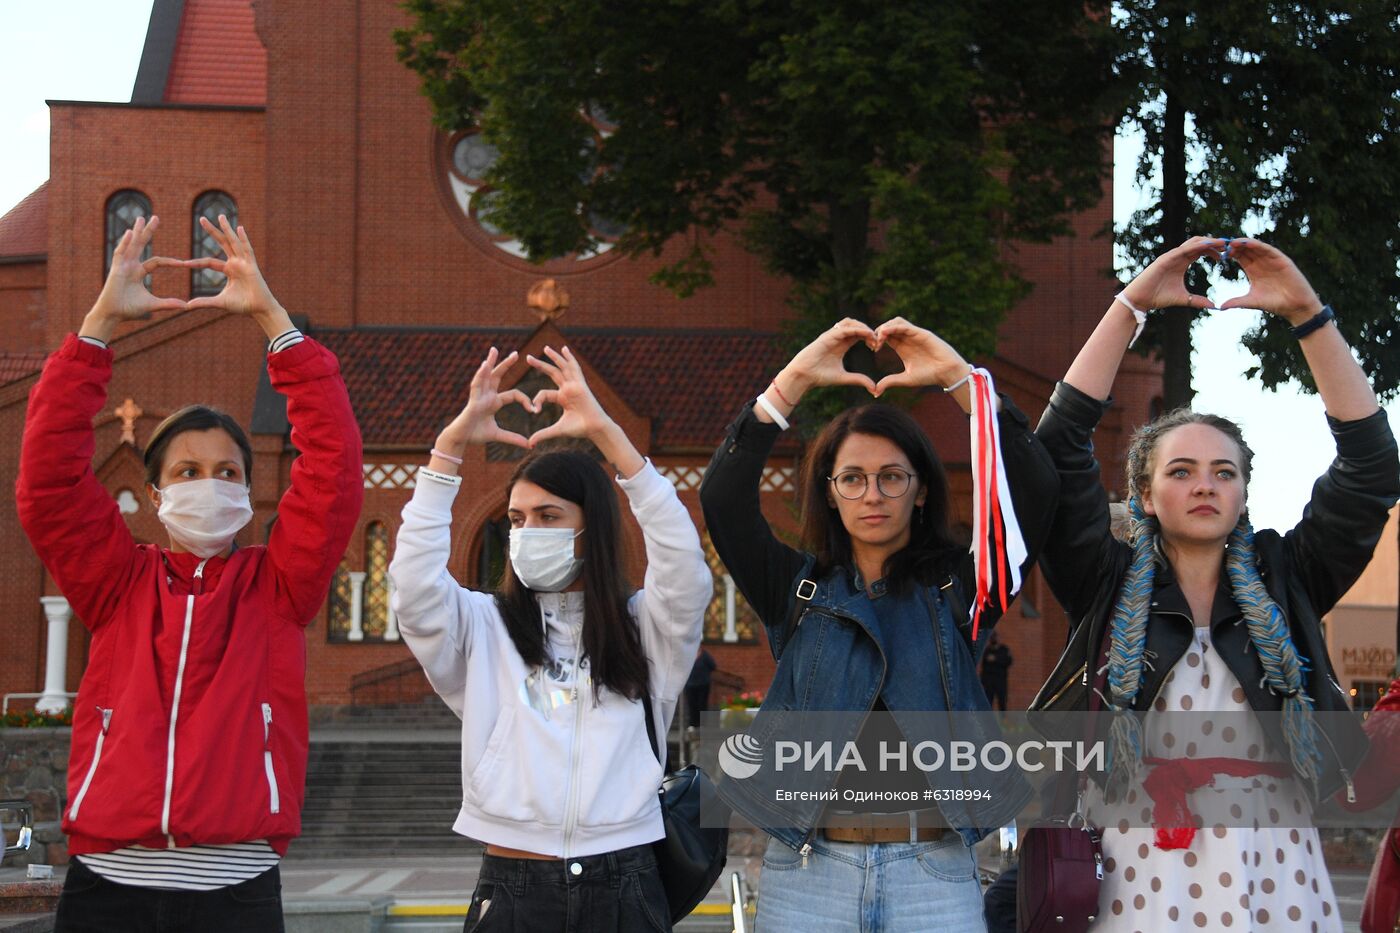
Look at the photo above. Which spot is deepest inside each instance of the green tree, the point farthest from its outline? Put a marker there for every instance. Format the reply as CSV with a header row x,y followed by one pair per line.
x,y
884,156
1279,119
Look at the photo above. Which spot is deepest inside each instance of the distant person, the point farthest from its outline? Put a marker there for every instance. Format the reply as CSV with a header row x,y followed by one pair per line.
x,y
697,687
996,662
189,739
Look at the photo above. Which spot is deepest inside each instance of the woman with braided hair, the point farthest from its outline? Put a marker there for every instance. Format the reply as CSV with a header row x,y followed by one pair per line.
x,y
1198,613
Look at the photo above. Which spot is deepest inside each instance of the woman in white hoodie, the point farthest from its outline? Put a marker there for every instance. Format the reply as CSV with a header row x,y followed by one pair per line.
x,y
547,674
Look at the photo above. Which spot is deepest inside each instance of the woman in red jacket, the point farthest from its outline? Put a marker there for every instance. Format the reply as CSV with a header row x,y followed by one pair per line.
x,y
189,731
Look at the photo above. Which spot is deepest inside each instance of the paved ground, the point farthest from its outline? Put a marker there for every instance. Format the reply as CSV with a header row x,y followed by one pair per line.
x,y
443,881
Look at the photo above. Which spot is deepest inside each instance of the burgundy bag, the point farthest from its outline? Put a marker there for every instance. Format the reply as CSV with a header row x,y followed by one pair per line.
x,y
1061,861
1061,870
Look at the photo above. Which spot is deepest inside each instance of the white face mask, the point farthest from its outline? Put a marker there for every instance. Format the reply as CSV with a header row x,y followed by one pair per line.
x,y
203,515
543,558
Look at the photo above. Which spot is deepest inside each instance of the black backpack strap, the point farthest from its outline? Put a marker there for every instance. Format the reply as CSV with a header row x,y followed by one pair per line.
x,y
651,726
806,589
951,592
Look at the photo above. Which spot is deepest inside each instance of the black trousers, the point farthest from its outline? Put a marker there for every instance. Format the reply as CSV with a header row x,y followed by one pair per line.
x,y
616,892
92,904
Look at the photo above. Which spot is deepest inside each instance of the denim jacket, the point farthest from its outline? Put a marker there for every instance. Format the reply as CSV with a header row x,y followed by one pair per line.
x,y
837,657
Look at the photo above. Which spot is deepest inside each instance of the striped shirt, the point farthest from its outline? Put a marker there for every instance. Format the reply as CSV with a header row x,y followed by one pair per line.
x,y
194,868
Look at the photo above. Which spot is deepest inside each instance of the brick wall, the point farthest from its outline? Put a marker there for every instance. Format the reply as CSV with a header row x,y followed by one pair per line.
x,y
170,154
22,307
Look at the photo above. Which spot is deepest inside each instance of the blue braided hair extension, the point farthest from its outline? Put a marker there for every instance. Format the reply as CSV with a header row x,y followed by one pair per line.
x,y
1283,667
1127,641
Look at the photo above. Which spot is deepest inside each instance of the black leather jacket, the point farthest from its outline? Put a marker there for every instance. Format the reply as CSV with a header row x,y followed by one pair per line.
x,y
1306,571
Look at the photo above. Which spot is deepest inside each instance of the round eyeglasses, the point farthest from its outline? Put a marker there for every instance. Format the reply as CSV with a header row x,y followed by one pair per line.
x,y
852,484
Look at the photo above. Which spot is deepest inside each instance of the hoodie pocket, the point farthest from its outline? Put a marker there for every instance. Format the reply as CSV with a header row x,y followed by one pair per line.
x,y
522,775
92,768
274,798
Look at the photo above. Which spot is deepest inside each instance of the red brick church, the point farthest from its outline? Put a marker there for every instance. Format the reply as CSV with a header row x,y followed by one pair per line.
x,y
295,116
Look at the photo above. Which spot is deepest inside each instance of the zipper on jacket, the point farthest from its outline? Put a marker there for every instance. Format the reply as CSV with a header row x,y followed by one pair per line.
x,y
196,586
92,768
1341,769
274,798
575,750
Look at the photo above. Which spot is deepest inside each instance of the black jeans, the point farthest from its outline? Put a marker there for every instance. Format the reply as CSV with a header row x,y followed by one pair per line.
x,y
616,892
92,904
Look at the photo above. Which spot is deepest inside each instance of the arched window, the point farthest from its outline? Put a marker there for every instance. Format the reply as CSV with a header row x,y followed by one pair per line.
x,y
122,210
338,605
376,581
210,204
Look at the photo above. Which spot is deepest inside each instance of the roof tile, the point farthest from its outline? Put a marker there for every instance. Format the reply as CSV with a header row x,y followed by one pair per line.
x,y
24,231
219,58
18,365
406,383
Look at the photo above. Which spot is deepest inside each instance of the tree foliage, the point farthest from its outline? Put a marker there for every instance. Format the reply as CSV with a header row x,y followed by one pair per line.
x,y
885,156
1279,120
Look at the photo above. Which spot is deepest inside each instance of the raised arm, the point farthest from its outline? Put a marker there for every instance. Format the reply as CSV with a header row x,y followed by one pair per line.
x,y
1081,553
318,512
1161,285
71,520
1332,543
437,617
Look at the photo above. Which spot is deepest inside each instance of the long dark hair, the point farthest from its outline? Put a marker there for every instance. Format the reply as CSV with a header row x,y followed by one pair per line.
x,y
930,540
611,641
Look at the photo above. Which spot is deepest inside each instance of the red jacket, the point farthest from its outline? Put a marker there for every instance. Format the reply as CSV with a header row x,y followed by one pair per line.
x,y
190,722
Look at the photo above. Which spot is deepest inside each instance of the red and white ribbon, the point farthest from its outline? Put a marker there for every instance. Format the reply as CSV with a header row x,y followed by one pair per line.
x,y
998,548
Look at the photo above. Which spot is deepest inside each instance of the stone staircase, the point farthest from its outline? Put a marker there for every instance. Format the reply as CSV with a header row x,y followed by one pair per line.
x,y
382,780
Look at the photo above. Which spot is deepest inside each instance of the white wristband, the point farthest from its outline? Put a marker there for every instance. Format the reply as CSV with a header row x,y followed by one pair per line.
x,y
447,478
778,419
1139,315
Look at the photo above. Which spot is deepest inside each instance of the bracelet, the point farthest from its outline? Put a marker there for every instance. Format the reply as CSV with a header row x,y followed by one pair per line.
x,y
959,383
447,478
774,386
778,419
448,457
1316,322
1138,314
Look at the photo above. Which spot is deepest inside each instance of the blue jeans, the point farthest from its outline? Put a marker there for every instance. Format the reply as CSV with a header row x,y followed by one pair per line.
x,y
883,887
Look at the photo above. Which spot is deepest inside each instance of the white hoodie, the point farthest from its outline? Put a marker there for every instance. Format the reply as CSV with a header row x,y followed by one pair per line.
x,y
544,768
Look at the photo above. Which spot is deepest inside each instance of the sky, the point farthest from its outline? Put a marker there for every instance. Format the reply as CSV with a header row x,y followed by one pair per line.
x,y
87,50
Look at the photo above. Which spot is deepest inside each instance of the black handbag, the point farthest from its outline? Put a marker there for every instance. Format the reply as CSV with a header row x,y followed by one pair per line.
x,y
691,856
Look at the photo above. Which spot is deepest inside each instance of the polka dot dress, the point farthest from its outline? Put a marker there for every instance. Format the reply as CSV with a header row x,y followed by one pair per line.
x,y
1255,864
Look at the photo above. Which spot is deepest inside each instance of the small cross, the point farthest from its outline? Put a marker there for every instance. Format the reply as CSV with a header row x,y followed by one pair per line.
x,y
128,411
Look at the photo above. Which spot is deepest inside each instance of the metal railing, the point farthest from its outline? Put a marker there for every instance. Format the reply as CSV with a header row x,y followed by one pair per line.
x,y
5,703
26,825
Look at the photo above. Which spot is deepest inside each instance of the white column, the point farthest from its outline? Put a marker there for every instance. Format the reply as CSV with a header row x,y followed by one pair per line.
x,y
357,606
391,624
731,632
58,612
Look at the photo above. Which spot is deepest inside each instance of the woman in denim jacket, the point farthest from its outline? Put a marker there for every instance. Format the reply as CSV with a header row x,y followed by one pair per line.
x,y
870,616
